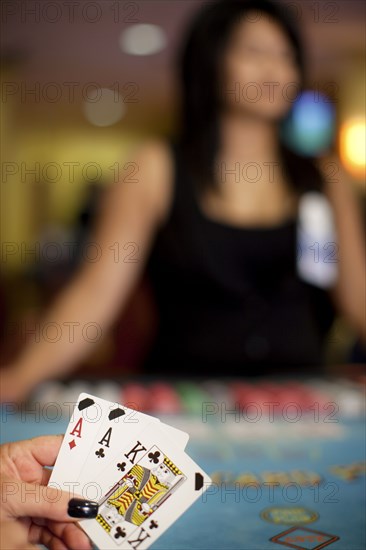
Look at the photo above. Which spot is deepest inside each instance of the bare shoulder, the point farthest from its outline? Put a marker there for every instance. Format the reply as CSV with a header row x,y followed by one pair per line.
x,y
153,150
154,165
143,188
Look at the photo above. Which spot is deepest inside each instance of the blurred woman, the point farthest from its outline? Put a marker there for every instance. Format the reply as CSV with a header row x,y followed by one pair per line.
x,y
219,249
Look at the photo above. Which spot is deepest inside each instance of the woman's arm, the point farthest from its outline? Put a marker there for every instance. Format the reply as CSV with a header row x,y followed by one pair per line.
x,y
130,213
349,292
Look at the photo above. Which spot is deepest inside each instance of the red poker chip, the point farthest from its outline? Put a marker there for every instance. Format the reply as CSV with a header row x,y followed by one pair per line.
x,y
164,398
136,396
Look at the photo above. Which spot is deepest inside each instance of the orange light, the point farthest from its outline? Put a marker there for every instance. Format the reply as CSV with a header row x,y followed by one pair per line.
x,y
352,141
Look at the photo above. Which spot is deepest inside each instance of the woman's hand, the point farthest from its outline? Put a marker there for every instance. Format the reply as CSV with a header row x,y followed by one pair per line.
x,y
32,513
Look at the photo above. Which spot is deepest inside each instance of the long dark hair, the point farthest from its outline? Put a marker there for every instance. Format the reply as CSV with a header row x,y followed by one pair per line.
x,y
198,65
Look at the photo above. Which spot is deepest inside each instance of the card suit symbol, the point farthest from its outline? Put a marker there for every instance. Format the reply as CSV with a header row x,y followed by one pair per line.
x,y
154,457
198,482
119,533
153,524
100,453
121,466
85,403
72,444
116,413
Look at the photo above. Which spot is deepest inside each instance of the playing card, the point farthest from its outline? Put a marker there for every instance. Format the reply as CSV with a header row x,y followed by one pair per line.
x,y
96,428
119,426
152,483
88,412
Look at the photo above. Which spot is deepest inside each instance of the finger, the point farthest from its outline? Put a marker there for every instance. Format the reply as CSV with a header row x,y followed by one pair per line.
x,y
45,448
46,474
29,500
71,535
14,536
42,535
57,544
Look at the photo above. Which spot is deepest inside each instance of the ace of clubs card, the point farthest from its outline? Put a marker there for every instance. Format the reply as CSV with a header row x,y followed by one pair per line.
x,y
152,482
96,428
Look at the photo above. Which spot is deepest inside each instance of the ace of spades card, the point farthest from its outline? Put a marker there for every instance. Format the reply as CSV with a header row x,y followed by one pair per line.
x,y
154,483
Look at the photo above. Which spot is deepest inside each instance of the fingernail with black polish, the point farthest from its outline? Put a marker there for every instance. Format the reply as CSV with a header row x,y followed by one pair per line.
x,y
79,508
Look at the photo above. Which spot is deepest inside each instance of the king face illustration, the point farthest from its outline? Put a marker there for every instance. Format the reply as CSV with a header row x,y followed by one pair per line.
x,y
139,493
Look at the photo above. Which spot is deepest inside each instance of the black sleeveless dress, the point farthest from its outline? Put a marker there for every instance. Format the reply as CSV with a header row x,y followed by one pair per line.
x,y
229,300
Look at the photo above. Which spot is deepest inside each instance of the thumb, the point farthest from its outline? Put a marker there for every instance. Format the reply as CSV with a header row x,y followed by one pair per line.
x,y
20,499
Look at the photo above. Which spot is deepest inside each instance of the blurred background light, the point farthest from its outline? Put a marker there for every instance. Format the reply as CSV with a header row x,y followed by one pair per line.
x,y
309,127
352,145
142,39
104,107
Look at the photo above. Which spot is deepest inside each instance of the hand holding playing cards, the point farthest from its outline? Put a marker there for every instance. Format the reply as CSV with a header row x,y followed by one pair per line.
x,y
136,468
32,513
